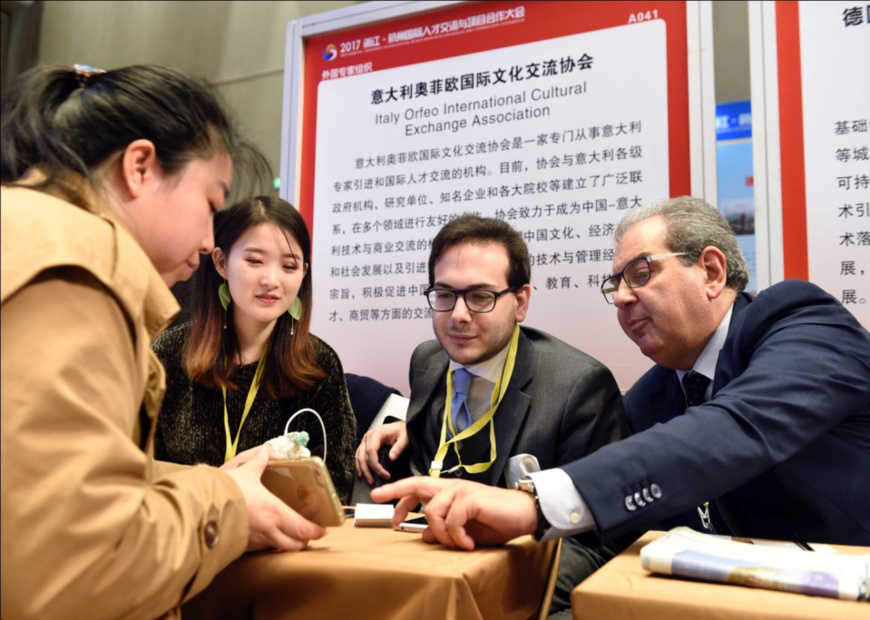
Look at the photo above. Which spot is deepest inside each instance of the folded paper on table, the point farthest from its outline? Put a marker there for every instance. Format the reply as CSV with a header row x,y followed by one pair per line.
x,y
684,552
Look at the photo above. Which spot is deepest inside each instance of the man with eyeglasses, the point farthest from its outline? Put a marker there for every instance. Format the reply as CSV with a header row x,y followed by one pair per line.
x,y
526,392
757,407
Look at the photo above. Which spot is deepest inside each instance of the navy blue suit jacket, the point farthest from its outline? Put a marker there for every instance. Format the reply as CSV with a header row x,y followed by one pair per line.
x,y
783,446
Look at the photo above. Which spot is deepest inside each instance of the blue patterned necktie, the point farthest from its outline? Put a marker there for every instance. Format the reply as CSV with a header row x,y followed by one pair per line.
x,y
459,406
695,385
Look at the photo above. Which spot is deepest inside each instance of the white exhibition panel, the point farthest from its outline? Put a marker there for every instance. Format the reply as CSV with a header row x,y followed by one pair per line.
x,y
836,115
831,97
380,197
561,155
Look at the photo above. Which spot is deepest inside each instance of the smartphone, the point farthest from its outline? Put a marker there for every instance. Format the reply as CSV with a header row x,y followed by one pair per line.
x,y
305,485
417,524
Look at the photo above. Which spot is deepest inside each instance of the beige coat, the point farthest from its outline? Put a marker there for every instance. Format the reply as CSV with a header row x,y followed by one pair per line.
x,y
85,533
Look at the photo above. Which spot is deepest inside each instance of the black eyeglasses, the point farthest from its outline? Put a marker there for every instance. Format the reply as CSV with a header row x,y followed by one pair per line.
x,y
476,299
636,274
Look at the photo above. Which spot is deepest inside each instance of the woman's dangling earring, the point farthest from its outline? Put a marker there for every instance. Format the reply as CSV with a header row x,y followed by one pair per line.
x,y
225,298
295,312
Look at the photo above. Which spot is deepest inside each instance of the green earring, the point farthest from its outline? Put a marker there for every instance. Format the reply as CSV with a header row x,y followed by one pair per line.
x,y
295,309
224,295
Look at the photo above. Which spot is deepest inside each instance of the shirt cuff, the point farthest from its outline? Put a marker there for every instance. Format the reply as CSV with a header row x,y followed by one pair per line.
x,y
561,504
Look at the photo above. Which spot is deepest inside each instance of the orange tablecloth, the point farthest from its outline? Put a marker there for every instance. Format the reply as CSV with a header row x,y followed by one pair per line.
x,y
380,573
622,589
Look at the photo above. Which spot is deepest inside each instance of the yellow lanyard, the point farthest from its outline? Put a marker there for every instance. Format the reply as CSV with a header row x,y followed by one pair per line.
x,y
232,446
497,394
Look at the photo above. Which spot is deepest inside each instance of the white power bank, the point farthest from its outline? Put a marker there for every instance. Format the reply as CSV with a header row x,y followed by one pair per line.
x,y
373,515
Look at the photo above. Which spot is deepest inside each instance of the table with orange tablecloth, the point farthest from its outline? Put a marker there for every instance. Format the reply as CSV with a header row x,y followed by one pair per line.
x,y
381,573
623,589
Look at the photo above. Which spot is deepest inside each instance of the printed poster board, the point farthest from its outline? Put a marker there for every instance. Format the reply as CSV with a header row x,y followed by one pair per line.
x,y
557,117
817,109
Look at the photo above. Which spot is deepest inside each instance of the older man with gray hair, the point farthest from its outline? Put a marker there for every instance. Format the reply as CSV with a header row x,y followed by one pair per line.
x,y
757,405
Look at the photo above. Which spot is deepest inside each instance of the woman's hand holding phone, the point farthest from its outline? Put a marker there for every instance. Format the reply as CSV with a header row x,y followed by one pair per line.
x,y
305,485
271,522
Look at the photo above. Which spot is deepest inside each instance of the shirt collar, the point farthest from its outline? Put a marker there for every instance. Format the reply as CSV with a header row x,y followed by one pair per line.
x,y
706,362
490,369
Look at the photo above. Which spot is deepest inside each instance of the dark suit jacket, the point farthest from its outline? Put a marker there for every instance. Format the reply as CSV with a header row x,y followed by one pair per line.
x,y
561,404
367,396
783,446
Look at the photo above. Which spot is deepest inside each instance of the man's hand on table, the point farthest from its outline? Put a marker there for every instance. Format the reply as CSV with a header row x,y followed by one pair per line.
x,y
461,513
271,522
367,465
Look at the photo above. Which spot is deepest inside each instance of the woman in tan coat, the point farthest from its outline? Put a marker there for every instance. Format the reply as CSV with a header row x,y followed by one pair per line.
x,y
109,184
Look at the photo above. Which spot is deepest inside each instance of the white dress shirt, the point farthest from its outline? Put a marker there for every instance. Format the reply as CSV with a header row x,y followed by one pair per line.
x,y
486,376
